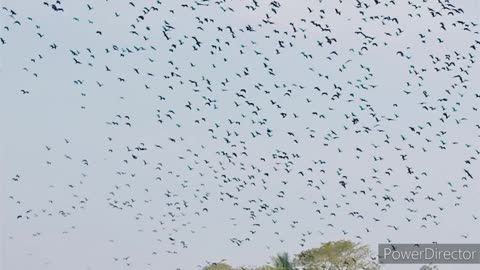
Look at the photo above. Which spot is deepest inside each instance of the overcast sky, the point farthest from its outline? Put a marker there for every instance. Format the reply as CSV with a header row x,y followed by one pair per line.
x,y
77,194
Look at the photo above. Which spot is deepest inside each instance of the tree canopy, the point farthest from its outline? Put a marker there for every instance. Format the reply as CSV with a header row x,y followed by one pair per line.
x,y
265,267
218,266
334,255
282,262
337,255
429,267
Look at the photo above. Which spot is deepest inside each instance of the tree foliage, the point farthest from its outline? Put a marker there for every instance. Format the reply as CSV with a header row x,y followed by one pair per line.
x,y
282,262
218,266
337,255
265,267
429,267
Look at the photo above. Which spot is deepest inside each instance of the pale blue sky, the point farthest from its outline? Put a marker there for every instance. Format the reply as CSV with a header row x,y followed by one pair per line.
x,y
67,201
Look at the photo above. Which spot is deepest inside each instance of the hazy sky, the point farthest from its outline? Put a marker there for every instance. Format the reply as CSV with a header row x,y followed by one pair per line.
x,y
151,192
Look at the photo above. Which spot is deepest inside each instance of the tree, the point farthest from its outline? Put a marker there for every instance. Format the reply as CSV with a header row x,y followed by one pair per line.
x,y
429,267
218,266
282,262
337,255
265,267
